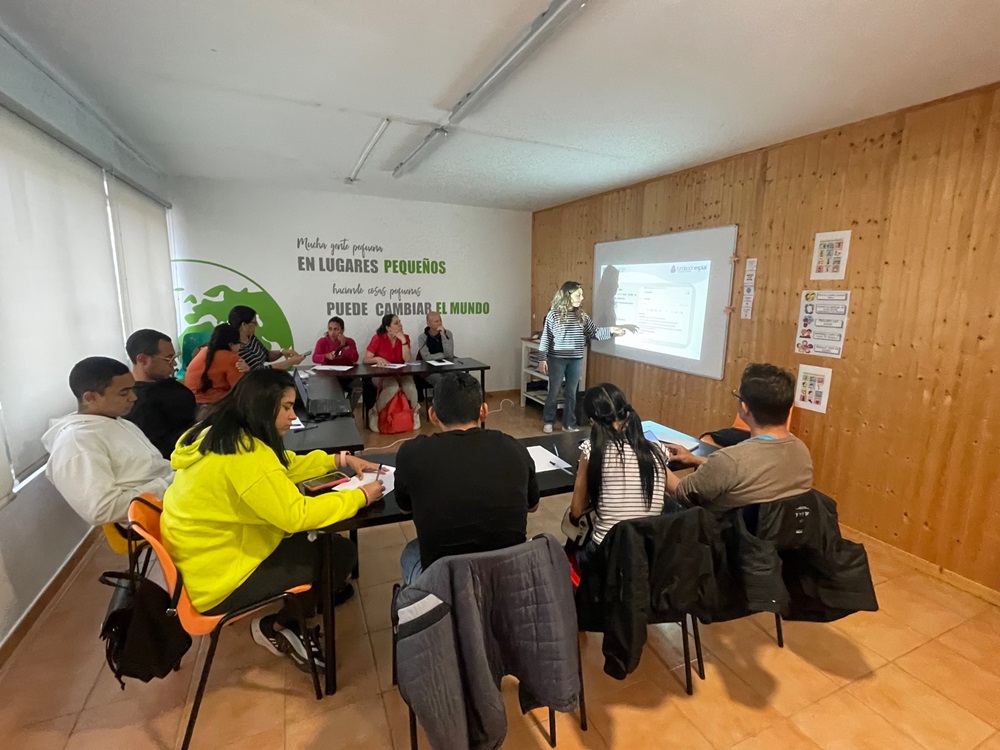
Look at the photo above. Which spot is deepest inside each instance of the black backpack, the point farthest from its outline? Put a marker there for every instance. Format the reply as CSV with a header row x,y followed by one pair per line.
x,y
143,637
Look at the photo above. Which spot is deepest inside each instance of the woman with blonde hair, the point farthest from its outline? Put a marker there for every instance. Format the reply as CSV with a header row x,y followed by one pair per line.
x,y
564,339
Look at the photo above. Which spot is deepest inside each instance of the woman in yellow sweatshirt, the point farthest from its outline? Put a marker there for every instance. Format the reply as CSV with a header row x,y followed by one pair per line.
x,y
233,517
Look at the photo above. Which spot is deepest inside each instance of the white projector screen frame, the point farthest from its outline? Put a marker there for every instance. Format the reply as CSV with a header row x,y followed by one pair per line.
x,y
682,325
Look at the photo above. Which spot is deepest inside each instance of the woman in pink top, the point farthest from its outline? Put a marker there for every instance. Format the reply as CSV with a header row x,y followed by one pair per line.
x,y
335,348
390,345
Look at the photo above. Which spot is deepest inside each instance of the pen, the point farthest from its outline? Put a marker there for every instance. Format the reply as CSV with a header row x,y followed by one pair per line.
x,y
562,468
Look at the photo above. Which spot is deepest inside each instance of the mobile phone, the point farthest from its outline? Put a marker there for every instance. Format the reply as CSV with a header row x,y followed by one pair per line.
x,y
321,484
306,354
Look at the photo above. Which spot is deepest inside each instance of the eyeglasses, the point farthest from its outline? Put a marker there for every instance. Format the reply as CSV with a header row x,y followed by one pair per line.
x,y
169,360
737,395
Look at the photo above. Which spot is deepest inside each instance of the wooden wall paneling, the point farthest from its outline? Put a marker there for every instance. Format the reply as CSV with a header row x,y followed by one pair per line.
x,y
908,444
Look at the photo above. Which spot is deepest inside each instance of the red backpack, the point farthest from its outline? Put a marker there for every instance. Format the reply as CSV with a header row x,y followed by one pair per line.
x,y
397,416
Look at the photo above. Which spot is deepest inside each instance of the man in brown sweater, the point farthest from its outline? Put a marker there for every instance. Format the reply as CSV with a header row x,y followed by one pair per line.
x,y
772,464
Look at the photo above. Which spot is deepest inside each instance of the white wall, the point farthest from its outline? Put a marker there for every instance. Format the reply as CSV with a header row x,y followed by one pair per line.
x,y
255,231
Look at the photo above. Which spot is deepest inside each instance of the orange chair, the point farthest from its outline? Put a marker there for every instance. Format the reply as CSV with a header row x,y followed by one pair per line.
x,y
144,518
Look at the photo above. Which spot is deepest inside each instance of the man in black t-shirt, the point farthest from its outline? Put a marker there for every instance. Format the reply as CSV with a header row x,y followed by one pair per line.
x,y
164,408
469,489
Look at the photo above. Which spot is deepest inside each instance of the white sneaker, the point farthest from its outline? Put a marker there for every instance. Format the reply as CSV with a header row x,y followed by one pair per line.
x,y
547,429
570,429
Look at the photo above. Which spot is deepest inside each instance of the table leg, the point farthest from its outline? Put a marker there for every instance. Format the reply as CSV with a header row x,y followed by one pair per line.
x,y
353,535
329,618
482,384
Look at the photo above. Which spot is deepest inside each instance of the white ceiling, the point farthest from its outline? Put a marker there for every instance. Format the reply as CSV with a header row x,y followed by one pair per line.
x,y
288,91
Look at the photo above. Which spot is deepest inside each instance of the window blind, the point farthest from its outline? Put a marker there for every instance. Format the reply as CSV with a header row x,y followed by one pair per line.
x,y
143,251
59,296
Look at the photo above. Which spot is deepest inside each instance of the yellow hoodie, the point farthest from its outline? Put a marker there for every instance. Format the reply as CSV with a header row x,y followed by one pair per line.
x,y
223,515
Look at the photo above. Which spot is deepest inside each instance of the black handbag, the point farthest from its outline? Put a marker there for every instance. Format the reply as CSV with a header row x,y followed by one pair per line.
x,y
143,637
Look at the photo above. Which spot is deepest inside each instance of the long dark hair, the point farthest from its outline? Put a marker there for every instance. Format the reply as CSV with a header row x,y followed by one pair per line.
x,y
604,405
246,413
223,337
386,322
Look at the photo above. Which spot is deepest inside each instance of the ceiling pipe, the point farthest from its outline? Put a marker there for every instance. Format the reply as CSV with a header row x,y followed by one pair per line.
x,y
367,150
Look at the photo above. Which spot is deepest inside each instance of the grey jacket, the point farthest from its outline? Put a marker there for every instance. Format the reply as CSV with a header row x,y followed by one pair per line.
x,y
467,621
447,344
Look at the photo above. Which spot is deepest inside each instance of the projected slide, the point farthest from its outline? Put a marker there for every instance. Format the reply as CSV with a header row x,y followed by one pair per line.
x,y
663,305
670,292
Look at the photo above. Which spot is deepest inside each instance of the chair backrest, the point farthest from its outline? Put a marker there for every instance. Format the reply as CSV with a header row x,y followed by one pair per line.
x,y
190,342
144,517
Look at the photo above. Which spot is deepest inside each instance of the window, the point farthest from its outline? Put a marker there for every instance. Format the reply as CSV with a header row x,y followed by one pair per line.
x,y
143,250
59,286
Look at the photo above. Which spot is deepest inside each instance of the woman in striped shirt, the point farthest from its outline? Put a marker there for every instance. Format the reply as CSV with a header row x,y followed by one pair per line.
x,y
564,339
621,474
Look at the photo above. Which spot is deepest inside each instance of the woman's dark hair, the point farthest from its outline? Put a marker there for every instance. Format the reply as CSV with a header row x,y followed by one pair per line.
x,y
247,412
223,336
241,314
386,321
338,320
604,405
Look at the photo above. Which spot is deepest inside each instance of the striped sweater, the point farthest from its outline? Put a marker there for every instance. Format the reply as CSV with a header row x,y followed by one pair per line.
x,y
568,336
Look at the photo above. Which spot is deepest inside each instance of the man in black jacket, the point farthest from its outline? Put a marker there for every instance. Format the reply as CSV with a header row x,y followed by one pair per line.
x,y
164,408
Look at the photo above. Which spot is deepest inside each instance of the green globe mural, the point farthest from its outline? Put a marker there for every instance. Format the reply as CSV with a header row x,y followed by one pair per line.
x,y
220,289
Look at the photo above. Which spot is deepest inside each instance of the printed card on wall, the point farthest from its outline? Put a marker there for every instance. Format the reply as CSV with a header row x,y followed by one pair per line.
x,y
813,390
830,255
822,324
749,285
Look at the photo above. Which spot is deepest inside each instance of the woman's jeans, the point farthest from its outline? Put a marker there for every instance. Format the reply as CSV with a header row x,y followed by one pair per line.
x,y
561,368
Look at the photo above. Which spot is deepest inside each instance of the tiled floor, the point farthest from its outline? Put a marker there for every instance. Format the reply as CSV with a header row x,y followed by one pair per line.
x,y
924,672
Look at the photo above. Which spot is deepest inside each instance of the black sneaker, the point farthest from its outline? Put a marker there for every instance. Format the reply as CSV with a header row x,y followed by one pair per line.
x,y
297,648
264,634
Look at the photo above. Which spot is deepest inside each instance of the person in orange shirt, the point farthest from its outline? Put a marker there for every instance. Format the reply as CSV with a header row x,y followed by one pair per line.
x,y
213,371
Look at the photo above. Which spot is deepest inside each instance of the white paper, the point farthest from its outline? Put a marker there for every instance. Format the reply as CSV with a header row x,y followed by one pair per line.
x,y
813,391
822,325
297,424
390,366
333,368
438,362
388,479
668,435
830,255
545,460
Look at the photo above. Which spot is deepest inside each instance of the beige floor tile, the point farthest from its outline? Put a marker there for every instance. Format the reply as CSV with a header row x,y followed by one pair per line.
x,y
666,642
356,682
841,722
908,704
968,684
377,601
945,594
885,565
903,601
408,529
882,633
137,724
597,683
399,722
270,739
833,653
46,735
30,694
379,537
240,703
978,639
788,682
639,715
355,726
993,743
530,731
381,642
380,565
724,707
781,736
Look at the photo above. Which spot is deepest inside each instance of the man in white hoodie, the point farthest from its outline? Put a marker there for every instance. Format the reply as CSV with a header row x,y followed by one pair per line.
x,y
97,460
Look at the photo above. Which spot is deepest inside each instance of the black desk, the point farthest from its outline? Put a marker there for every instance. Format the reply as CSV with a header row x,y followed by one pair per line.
x,y
331,436
386,511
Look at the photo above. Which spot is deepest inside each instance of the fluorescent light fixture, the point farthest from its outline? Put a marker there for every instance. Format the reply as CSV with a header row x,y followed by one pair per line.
x,y
367,150
541,29
410,161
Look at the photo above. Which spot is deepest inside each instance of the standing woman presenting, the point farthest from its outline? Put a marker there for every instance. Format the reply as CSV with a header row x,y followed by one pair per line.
x,y
564,339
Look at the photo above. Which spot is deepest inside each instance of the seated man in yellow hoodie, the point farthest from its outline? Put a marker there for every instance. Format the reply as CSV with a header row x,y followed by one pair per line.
x,y
232,517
